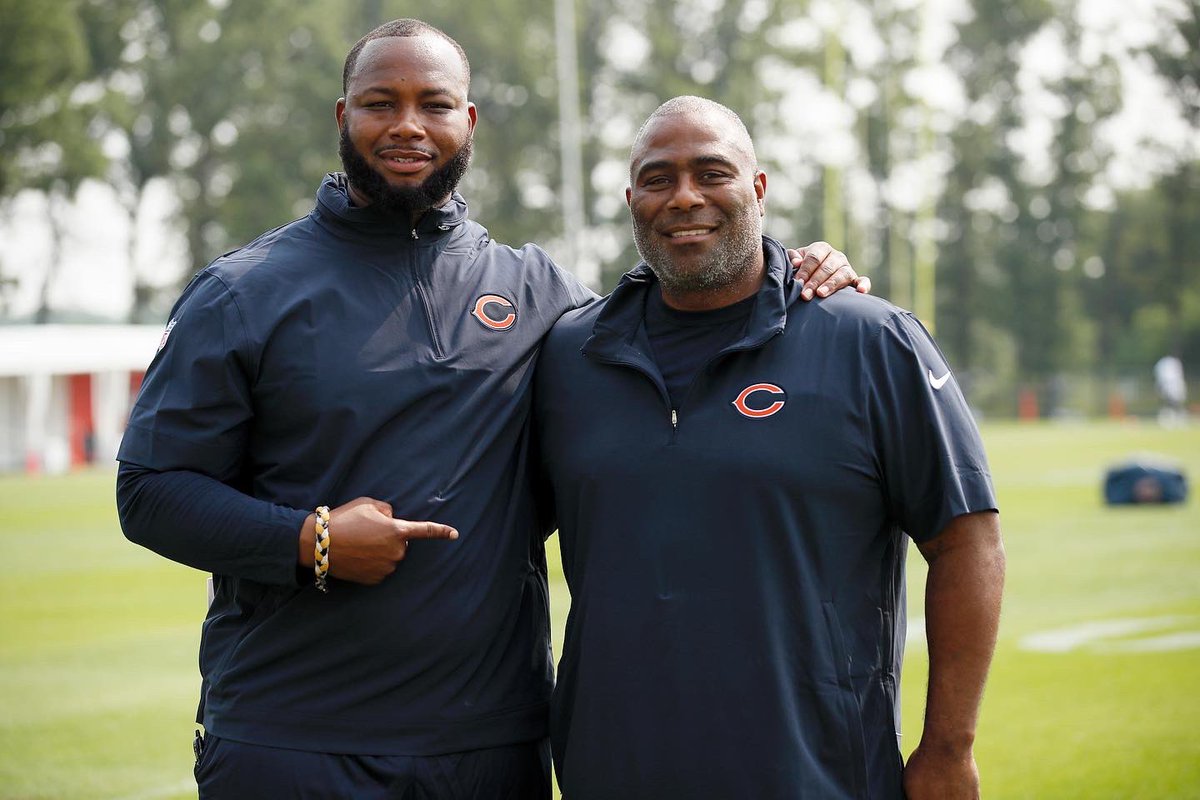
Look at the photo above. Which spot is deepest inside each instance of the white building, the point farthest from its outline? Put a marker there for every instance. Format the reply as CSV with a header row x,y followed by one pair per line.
x,y
66,391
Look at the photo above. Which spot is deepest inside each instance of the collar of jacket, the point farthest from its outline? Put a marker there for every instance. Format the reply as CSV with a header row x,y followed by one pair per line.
x,y
624,310
333,205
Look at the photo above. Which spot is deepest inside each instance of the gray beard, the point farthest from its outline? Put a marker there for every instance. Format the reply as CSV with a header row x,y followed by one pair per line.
x,y
734,255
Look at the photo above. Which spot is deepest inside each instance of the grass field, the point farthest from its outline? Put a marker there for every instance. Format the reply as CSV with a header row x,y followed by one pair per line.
x,y
98,671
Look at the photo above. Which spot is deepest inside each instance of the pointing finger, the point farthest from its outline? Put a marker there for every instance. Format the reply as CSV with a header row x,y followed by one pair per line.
x,y
425,530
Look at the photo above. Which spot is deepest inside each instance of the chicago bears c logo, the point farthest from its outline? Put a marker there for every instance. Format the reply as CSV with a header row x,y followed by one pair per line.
x,y
496,323
742,403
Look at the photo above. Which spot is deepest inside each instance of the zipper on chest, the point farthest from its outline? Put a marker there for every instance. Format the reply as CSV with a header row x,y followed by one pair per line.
x,y
674,424
424,292
414,270
419,272
648,372
692,385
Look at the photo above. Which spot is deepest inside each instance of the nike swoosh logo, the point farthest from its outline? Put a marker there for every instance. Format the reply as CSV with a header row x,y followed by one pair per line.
x,y
938,383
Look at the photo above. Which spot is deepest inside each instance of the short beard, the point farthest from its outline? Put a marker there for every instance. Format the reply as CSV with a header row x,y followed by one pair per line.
x,y
726,263
402,201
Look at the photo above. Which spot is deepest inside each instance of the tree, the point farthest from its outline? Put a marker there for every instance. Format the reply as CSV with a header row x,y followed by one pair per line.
x,y
47,136
986,209
121,33
1177,59
43,120
247,105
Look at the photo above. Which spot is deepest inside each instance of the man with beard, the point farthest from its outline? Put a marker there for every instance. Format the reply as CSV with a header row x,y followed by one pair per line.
x,y
374,357
737,572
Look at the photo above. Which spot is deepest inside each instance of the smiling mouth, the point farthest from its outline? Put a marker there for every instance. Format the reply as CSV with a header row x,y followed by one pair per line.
x,y
689,233
406,163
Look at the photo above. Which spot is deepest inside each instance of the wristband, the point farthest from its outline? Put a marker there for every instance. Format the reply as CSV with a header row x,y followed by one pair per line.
x,y
321,552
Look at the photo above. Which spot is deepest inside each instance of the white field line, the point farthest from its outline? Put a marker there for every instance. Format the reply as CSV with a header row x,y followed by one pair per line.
x,y
1116,636
1186,640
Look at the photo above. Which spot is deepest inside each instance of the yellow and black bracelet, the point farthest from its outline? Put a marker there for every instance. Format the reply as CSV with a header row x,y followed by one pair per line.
x,y
321,554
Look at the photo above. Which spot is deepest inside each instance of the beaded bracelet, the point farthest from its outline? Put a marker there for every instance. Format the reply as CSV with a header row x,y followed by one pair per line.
x,y
321,554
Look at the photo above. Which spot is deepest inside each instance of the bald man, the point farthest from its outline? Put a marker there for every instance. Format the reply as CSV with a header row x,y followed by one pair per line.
x,y
737,613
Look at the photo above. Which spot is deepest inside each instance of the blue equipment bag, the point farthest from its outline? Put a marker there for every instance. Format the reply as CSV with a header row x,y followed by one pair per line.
x,y
1141,481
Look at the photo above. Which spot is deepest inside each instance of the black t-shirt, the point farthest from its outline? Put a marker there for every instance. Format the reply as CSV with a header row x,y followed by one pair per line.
x,y
683,342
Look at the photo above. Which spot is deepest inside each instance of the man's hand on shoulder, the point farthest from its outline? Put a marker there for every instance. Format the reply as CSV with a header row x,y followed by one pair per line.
x,y
365,541
935,774
824,270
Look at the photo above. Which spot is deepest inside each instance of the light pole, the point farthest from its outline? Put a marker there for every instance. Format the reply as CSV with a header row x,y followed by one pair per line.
x,y
578,259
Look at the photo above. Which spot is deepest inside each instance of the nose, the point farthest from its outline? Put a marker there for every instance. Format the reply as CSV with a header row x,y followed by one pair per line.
x,y
406,124
687,195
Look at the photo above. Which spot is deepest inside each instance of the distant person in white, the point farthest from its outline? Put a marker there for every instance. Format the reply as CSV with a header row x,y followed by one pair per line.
x,y
1168,376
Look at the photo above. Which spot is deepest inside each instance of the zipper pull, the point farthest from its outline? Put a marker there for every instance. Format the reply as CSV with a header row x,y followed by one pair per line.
x,y
414,234
674,419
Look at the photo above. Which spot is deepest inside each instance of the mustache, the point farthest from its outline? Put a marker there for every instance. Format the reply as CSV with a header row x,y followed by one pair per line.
x,y
675,220
380,151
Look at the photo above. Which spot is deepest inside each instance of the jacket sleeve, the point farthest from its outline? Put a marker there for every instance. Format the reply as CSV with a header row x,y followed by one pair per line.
x,y
574,293
199,521
181,486
931,455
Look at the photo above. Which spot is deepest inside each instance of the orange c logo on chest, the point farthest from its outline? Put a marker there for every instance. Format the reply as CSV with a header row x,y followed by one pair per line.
x,y
496,323
758,410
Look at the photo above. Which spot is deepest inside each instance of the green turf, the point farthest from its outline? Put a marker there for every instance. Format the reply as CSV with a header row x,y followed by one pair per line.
x,y
1089,723
98,651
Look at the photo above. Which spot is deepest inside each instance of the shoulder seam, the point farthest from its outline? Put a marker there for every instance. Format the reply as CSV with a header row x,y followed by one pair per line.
x,y
254,353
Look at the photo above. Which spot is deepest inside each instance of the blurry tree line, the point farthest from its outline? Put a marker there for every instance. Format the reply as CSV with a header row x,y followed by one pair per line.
x,y
906,139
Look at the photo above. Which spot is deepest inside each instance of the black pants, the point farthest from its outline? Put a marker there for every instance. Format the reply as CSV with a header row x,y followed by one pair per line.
x,y
229,770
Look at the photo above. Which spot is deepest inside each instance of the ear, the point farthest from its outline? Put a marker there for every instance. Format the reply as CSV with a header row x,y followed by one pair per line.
x,y
629,196
472,115
760,189
339,109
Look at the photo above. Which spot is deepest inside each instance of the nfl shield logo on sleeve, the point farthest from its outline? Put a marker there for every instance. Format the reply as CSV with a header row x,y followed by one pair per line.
x,y
166,333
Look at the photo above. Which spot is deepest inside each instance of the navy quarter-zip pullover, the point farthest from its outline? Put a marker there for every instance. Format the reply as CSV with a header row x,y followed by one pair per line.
x,y
736,560
339,357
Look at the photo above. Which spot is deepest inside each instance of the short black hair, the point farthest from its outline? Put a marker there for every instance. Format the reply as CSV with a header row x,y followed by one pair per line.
x,y
402,28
